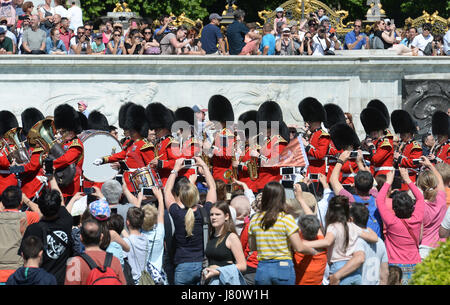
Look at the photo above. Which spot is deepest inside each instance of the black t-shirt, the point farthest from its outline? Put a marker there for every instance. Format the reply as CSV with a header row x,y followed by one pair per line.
x,y
57,253
386,44
136,50
188,249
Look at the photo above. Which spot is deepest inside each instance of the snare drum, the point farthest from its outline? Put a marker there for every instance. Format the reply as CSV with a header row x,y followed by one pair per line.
x,y
145,177
97,144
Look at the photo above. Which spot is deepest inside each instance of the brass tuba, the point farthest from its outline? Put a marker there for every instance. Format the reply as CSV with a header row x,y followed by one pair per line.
x,y
43,135
20,151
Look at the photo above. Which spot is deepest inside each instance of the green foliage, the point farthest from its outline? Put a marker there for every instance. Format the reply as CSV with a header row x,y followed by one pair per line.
x,y
434,269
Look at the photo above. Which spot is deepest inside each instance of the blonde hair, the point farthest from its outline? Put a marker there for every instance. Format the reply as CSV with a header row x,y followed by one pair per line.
x,y
444,169
294,208
150,217
427,182
189,196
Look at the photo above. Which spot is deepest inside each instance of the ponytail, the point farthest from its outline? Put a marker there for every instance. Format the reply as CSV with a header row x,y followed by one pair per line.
x,y
189,220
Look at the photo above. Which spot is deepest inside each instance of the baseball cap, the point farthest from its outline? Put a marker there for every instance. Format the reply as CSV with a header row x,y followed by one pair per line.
x,y
215,16
387,20
198,108
85,104
286,30
98,36
279,9
100,209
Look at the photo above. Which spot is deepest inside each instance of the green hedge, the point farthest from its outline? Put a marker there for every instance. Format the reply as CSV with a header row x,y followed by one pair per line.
x,y
435,268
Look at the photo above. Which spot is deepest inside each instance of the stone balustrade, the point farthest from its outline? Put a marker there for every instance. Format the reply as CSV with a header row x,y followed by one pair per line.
x,y
349,79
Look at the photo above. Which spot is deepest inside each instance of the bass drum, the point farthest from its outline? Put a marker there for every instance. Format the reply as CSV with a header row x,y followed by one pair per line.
x,y
98,144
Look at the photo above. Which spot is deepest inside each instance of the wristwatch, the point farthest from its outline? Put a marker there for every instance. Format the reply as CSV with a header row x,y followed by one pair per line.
x,y
174,172
340,161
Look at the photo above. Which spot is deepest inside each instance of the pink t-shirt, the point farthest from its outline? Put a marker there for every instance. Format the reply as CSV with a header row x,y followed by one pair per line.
x,y
400,246
433,216
337,252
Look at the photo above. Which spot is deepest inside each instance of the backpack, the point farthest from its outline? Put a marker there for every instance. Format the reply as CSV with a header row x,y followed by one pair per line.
x,y
10,239
101,276
374,222
376,43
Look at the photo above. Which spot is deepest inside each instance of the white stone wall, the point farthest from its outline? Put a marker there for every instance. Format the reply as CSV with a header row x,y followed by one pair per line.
x,y
106,82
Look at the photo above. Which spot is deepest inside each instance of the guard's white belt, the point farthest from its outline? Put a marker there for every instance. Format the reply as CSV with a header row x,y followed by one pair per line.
x,y
384,168
348,175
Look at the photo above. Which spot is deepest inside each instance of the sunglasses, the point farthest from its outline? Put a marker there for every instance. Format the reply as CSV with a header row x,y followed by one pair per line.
x,y
118,35
357,26
147,32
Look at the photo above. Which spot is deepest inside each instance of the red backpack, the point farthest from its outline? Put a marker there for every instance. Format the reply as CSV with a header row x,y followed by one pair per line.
x,y
101,276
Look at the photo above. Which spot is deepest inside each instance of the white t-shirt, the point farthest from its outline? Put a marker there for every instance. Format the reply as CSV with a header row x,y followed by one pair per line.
x,y
375,254
446,222
319,45
337,252
156,257
421,42
447,43
60,10
51,10
75,16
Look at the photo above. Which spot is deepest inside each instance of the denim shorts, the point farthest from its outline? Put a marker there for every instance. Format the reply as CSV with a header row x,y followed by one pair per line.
x,y
188,273
354,278
275,272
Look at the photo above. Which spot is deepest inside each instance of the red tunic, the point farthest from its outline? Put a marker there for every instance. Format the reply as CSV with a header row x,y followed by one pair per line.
x,y
382,160
135,154
31,184
333,154
221,160
6,179
412,150
168,153
271,150
442,152
317,151
73,155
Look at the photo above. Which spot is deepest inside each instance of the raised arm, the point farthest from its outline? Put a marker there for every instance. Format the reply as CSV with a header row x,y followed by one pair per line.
x,y
159,196
334,178
385,213
168,196
211,196
427,163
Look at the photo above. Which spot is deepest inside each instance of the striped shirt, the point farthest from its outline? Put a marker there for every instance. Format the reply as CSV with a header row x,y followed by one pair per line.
x,y
273,243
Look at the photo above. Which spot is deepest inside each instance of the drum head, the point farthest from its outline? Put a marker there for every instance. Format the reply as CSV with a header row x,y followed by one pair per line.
x,y
98,144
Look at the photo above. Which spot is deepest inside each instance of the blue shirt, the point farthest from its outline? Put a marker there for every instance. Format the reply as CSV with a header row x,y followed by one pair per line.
x,y
351,38
210,36
268,40
236,34
50,47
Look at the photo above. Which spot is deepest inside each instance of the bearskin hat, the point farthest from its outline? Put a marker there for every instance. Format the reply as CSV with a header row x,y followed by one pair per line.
x,y
83,120
312,110
343,136
440,124
66,117
30,117
379,105
97,121
335,115
284,131
123,113
7,121
135,120
402,122
244,118
372,120
220,109
159,116
185,114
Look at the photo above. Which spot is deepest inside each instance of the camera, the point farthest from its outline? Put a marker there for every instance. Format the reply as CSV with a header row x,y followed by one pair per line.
x,y
188,162
228,187
332,35
353,155
147,191
48,166
311,15
16,169
313,176
113,211
119,178
195,42
286,171
88,190
416,161
287,184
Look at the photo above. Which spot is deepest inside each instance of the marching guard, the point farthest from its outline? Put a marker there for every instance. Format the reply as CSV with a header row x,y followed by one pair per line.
x,y
440,129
